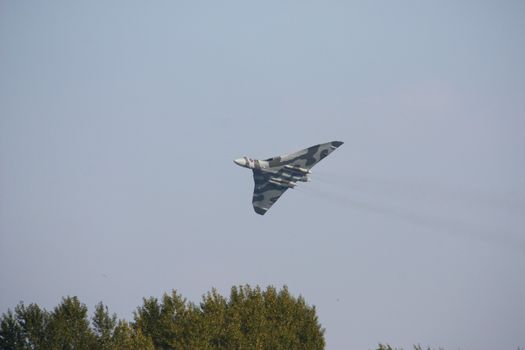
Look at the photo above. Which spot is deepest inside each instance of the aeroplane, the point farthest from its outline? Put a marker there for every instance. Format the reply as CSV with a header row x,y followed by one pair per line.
x,y
273,176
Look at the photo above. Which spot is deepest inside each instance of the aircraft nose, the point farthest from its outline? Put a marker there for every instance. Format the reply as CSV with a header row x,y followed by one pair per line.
x,y
240,161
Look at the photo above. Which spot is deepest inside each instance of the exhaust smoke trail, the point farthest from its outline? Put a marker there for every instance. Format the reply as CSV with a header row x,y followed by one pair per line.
x,y
351,197
508,202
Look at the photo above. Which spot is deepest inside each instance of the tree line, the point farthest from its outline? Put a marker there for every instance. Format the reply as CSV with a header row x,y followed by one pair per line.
x,y
250,318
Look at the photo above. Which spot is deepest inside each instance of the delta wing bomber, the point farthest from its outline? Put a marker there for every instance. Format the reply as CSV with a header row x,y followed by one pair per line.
x,y
273,176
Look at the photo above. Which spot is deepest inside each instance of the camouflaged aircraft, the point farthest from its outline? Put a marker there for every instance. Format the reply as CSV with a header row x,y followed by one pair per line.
x,y
273,176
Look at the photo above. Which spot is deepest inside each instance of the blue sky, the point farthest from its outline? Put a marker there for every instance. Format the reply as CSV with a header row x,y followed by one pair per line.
x,y
119,122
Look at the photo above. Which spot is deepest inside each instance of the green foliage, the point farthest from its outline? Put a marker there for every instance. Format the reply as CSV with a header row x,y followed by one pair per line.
x,y
250,319
384,347
26,328
69,326
165,322
271,320
11,333
104,327
34,323
388,347
127,338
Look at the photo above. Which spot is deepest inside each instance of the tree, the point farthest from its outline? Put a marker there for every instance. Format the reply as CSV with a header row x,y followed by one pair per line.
x,y
213,321
249,319
34,322
167,323
104,326
128,338
11,334
388,347
26,328
272,320
69,326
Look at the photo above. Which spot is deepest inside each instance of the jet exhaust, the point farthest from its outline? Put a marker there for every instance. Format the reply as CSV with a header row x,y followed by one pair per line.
x,y
297,169
280,182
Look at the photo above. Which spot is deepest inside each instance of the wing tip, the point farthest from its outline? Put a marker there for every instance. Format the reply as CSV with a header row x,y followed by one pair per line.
x,y
260,211
337,143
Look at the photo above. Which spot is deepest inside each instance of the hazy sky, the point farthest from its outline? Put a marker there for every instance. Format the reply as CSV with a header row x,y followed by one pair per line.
x,y
119,121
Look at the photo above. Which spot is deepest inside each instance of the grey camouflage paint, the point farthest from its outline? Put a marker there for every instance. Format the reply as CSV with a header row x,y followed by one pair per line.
x,y
266,193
